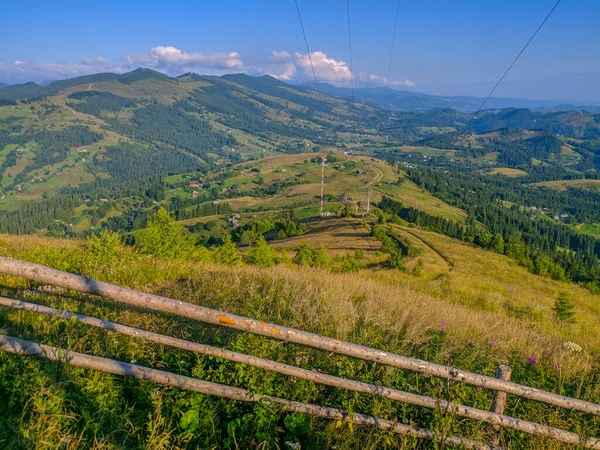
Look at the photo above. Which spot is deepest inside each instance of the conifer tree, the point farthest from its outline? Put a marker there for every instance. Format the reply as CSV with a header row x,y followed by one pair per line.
x,y
564,309
261,254
228,254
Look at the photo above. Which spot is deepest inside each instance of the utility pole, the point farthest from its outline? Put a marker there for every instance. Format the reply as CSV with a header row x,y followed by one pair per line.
x,y
368,197
322,182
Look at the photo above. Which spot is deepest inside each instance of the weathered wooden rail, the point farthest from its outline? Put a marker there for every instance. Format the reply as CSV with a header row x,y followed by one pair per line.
x,y
500,385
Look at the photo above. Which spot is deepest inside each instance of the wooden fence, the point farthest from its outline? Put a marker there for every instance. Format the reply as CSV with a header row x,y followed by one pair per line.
x,y
500,385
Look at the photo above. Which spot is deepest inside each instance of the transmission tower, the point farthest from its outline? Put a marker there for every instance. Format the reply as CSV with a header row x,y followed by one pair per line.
x,y
323,160
368,197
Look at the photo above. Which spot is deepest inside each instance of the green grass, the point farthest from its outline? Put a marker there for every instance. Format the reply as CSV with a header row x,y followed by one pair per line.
x,y
64,406
592,229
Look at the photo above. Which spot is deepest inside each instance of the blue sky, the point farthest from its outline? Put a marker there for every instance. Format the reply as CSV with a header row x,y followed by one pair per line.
x,y
448,47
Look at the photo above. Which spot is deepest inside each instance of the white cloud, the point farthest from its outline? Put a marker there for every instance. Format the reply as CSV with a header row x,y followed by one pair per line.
x,y
327,69
173,61
173,58
278,65
376,80
21,71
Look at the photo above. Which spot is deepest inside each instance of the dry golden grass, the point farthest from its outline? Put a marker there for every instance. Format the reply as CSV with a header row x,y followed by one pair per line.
x,y
480,295
508,172
563,185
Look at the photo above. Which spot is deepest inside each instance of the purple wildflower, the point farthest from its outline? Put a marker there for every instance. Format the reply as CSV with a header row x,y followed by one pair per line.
x,y
556,367
532,361
492,344
443,326
471,341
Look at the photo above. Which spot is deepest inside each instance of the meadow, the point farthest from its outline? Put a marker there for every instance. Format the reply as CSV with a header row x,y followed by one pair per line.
x,y
468,307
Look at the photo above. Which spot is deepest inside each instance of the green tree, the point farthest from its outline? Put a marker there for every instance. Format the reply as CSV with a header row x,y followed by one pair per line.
x,y
261,254
564,309
103,247
304,255
227,254
321,257
497,243
164,236
351,264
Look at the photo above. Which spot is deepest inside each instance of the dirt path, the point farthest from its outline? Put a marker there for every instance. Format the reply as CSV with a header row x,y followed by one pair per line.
x,y
75,113
379,174
90,87
431,246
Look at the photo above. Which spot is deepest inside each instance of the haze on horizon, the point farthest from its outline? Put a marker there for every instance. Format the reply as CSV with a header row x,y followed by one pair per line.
x,y
442,48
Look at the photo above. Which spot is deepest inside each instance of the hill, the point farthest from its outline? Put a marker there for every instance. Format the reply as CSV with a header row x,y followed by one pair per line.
x,y
468,307
109,152
409,100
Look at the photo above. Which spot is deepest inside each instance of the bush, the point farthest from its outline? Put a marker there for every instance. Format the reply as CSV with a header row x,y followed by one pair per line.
x,y
228,254
261,254
102,247
564,309
351,265
164,236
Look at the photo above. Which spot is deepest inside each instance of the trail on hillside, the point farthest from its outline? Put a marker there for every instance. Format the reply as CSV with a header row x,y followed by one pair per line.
x,y
431,246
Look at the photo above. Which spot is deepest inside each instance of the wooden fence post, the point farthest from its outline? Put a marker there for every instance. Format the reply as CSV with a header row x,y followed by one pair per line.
x,y
499,403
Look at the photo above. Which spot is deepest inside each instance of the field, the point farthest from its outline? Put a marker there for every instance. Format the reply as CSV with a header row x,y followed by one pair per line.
x,y
563,185
592,229
470,307
346,179
508,172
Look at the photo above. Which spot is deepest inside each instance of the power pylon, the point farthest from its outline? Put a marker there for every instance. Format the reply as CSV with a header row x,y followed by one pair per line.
x,y
323,160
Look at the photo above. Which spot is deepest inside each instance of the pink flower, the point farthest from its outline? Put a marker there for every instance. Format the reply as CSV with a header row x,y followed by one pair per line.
x,y
471,341
556,367
492,344
532,361
443,326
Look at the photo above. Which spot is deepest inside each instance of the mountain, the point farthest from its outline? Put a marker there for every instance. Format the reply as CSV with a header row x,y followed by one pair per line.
x,y
121,135
2,85
409,100
28,90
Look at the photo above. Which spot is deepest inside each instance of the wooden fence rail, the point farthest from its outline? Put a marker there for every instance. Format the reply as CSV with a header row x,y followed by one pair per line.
x,y
23,347
494,417
79,283
149,301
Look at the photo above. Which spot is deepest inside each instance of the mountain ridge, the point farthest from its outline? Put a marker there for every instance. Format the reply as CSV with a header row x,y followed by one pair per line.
x,y
409,100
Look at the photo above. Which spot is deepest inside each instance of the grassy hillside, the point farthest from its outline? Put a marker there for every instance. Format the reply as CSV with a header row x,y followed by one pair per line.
x,y
468,307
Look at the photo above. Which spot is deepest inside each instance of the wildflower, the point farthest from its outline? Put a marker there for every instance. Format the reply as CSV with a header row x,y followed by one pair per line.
x,y
471,341
572,346
532,361
443,326
556,367
492,344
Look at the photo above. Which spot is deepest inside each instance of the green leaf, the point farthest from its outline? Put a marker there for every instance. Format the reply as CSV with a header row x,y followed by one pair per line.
x,y
297,423
190,420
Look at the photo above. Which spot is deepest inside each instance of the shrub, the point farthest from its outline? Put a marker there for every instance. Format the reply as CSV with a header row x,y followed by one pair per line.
x,y
261,254
164,236
228,254
102,247
564,309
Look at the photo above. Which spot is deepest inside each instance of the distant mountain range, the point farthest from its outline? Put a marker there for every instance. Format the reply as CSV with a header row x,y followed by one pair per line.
x,y
376,96
408,100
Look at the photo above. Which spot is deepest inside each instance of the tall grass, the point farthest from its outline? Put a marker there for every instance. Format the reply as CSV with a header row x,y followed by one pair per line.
x,y
440,320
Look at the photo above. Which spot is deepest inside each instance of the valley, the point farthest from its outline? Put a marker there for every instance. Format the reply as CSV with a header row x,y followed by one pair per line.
x,y
443,243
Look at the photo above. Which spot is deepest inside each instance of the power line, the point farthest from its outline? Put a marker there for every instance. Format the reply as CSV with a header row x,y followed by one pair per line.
x,y
387,80
309,56
512,64
351,70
